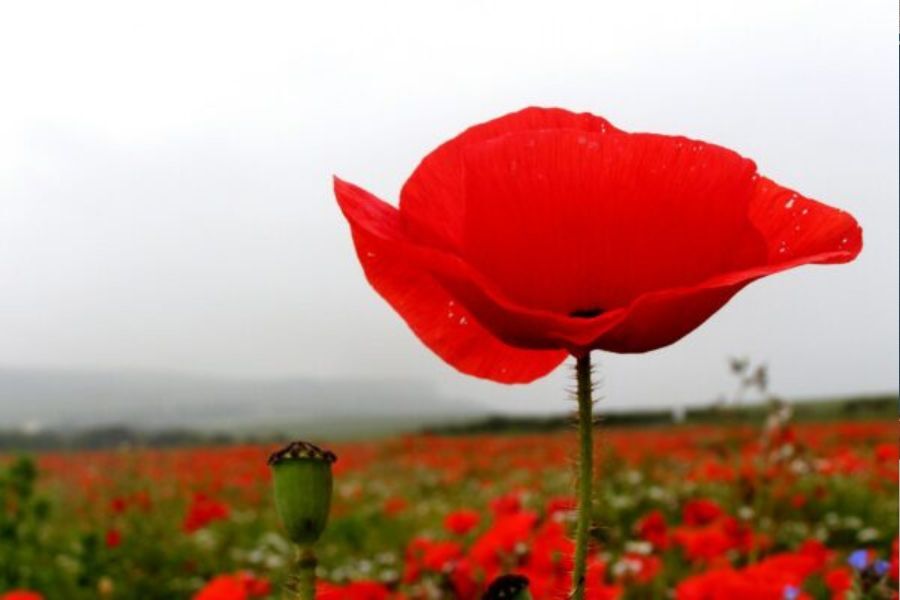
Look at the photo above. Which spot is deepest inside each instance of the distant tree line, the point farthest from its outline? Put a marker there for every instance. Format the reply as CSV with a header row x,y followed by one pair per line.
x,y
118,436
849,409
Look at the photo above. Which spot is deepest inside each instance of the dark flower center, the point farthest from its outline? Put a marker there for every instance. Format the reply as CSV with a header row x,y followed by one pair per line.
x,y
586,313
506,586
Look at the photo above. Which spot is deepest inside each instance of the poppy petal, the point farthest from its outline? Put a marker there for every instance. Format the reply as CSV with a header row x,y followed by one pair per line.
x,y
443,324
602,218
431,200
514,324
799,231
657,320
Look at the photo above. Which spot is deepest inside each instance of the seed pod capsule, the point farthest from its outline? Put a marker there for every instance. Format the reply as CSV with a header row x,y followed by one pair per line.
x,y
301,474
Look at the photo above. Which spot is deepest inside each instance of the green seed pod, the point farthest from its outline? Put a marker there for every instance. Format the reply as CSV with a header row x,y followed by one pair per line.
x,y
508,587
301,474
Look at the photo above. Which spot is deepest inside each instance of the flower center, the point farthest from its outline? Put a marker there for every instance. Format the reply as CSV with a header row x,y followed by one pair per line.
x,y
586,313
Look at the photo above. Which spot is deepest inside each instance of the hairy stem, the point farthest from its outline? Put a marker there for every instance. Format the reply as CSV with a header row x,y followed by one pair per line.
x,y
301,583
585,472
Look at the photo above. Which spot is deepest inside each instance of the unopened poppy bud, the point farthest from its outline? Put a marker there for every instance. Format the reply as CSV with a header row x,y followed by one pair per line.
x,y
508,587
301,473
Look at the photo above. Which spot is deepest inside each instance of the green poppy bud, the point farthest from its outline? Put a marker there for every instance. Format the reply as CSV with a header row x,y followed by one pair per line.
x,y
301,474
508,587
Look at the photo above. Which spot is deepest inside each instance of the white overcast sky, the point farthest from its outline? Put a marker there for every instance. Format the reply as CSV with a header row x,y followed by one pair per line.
x,y
165,174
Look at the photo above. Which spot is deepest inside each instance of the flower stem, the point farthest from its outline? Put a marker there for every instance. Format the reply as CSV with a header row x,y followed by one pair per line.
x,y
585,472
301,583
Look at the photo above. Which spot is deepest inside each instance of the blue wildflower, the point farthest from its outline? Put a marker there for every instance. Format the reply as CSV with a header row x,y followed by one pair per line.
x,y
881,567
859,559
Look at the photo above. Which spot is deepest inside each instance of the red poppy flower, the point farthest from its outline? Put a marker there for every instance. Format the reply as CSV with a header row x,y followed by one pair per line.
x,y
21,595
701,511
202,511
357,590
461,522
237,586
839,581
426,555
113,538
544,233
508,504
653,529
395,505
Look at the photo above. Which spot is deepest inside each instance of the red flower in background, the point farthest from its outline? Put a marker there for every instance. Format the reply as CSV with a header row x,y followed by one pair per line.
x,y
498,545
653,529
508,504
21,595
238,586
839,581
202,511
710,541
113,538
118,505
544,233
561,504
426,555
358,590
777,577
395,505
461,522
701,511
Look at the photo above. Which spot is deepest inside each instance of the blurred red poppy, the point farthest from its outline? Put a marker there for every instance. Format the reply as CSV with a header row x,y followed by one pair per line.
x,y
701,511
21,595
357,590
113,538
236,586
395,505
202,511
545,232
461,522
653,528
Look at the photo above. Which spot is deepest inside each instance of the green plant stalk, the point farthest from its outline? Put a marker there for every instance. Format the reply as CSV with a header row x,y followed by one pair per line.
x,y
585,399
301,583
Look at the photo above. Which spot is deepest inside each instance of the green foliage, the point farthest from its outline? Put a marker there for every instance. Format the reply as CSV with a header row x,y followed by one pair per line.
x,y
23,525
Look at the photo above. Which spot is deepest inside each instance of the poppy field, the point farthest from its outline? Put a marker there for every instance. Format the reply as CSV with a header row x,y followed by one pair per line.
x,y
688,512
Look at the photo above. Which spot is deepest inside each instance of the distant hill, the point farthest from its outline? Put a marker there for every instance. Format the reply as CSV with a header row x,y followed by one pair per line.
x,y
36,399
869,407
